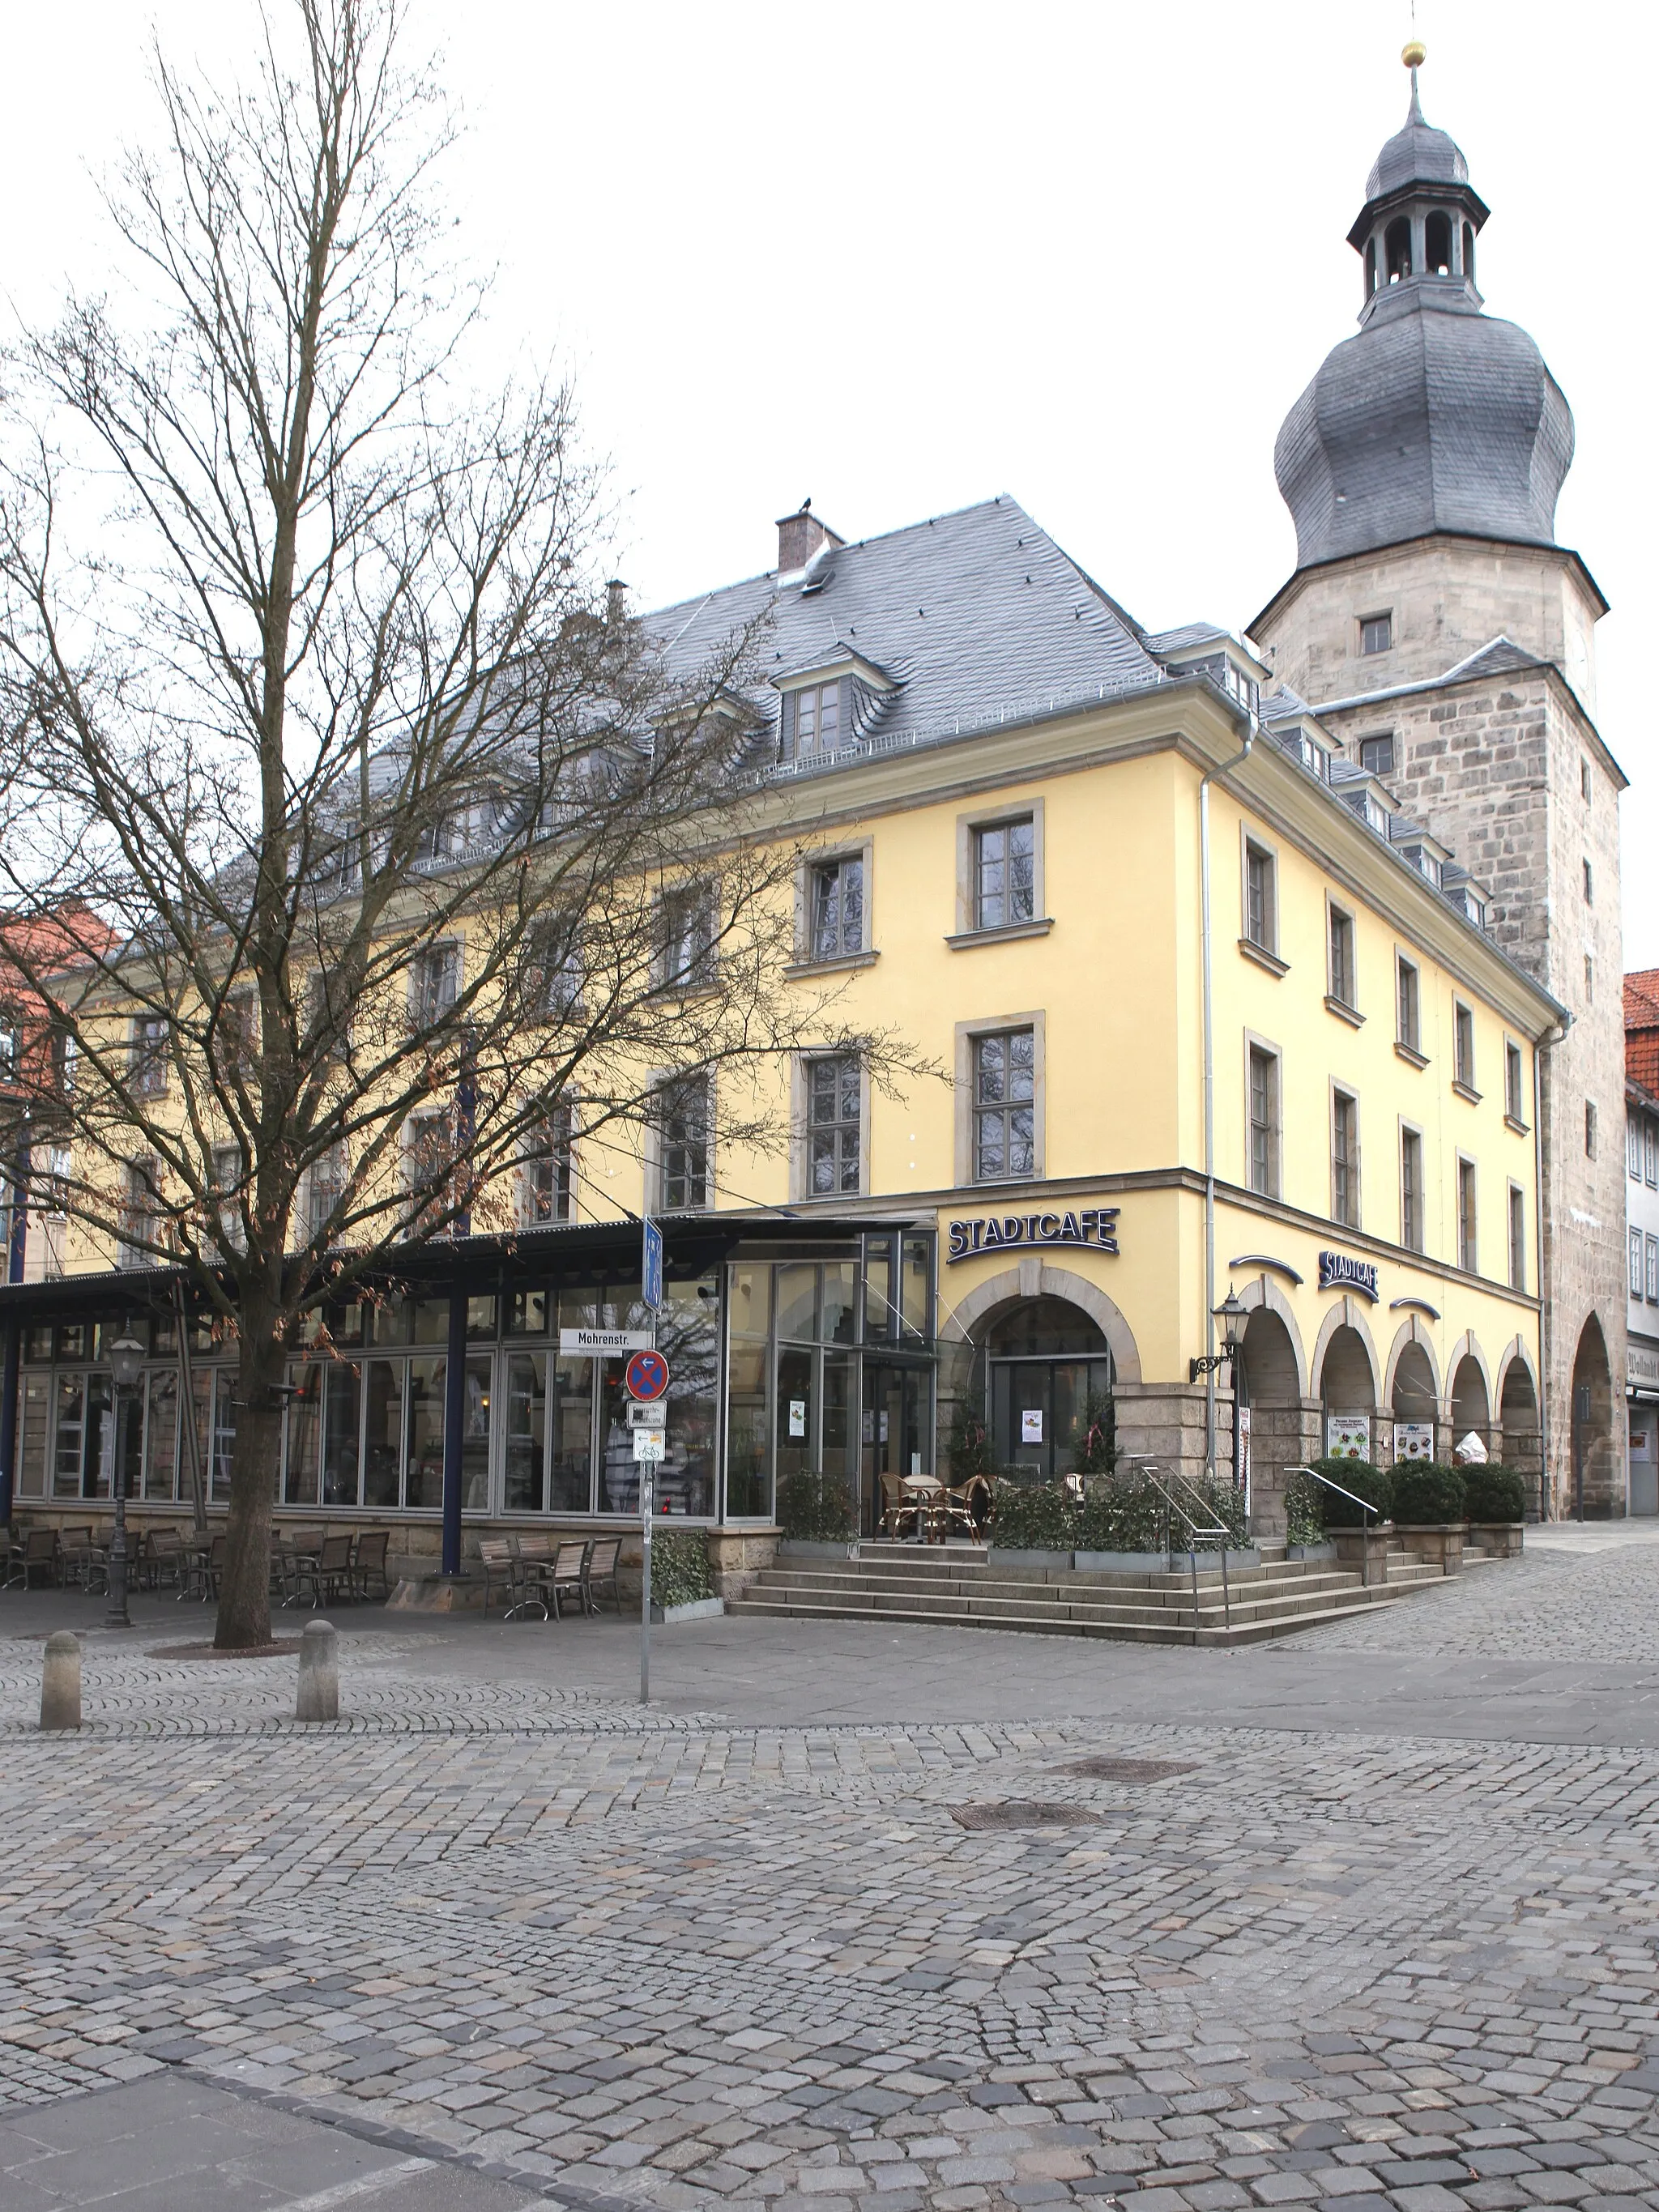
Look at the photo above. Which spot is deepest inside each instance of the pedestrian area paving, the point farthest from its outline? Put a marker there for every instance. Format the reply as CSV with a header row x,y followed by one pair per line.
x,y
549,1944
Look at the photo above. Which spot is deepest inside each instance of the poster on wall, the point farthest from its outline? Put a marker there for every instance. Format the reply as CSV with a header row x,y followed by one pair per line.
x,y
1031,1425
1348,1436
1242,1455
1413,1440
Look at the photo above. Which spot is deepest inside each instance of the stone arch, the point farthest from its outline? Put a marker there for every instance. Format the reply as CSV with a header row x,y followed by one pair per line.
x,y
1358,1370
1437,243
1520,1438
1596,1463
1034,1279
1468,1346
1264,1295
1468,1400
1413,1347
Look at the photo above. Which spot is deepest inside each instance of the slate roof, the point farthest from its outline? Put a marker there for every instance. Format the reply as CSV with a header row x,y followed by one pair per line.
x,y
976,615
1418,153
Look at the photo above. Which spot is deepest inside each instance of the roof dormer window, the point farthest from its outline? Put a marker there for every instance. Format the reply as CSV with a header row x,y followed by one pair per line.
x,y
818,718
823,706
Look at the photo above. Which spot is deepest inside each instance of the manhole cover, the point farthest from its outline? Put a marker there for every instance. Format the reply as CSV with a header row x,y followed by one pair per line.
x,y
1023,1813
1128,1769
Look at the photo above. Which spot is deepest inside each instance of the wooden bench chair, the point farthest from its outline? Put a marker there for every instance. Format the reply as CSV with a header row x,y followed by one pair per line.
x,y
599,1575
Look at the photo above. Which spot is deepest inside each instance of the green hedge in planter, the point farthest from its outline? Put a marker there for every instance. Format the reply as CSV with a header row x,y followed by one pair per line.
x,y
679,1566
1494,1492
1305,1510
1426,1493
1374,1484
1124,1512
815,1509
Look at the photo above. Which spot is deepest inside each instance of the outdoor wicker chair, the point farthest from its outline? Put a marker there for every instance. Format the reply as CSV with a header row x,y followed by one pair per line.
x,y
599,1575
498,1556
41,1556
166,1558
566,1576
368,1566
897,1508
327,1574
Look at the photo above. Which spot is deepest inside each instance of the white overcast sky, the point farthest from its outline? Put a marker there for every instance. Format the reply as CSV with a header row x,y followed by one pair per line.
x,y
902,255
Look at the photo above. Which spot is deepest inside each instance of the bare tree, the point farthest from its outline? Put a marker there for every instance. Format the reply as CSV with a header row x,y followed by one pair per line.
x,y
405,840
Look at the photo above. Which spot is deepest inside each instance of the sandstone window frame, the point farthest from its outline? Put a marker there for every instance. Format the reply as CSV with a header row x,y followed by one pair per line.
x,y
1342,961
1469,1214
972,826
1414,1214
860,852
1515,1093
1344,1127
968,1035
1264,1116
1517,1235
1258,901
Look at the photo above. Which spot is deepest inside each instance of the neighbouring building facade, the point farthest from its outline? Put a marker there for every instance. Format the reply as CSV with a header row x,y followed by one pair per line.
x,y
1642,1233
1448,642
1214,989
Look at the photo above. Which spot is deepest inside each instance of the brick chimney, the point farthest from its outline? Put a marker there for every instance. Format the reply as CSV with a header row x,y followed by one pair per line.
x,y
799,535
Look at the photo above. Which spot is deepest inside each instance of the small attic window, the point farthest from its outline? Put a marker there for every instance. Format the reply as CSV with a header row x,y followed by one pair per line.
x,y
1375,633
1376,754
814,719
1437,244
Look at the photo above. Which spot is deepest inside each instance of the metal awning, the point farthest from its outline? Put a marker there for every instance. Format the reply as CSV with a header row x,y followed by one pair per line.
x,y
568,1252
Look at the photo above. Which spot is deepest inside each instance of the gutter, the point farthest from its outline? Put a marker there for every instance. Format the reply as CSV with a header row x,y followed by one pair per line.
x,y
1252,727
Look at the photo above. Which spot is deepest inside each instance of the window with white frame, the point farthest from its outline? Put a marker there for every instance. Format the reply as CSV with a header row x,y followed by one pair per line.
x,y
1463,1045
554,975
548,1170
1514,1098
683,1117
1005,1105
1343,989
835,908
815,714
1345,1158
149,1073
1375,633
8,1046
1408,1022
686,935
1651,1152
1263,1105
1652,1245
430,1169
1005,873
1411,1189
325,1184
1468,1236
1635,1238
1260,899
229,1172
835,1112
1633,1144
141,1215
435,975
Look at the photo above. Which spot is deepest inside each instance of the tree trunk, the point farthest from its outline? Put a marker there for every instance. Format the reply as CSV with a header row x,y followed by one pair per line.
x,y
255,1465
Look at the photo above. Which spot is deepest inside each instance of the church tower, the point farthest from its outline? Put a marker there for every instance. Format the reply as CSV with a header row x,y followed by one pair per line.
x,y
1448,640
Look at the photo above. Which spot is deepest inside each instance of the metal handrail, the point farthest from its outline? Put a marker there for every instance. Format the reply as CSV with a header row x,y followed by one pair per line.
x,y
1364,1505
1194,1531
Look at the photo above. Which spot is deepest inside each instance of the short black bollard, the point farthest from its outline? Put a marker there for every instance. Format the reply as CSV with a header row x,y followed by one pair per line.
x,y
60,1683
319,1697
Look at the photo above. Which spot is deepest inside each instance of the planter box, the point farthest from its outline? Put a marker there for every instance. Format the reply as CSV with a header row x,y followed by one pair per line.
x,y
1120,1563
1050,1562
1499,1540
1440,1543
700,1608
803,1548
1310,1552
1368,1554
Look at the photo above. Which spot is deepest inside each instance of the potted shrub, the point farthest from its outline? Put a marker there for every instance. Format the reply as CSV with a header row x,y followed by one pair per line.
x,y
1033,1524
1428,1510
1495,1502
815,1513
1361,1539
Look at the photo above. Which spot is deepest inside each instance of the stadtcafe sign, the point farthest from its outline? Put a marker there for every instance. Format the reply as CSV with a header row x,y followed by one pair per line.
x,y
1093,1225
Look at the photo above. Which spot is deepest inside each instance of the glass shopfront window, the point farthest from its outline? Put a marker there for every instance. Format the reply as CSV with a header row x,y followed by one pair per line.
x,y
829,1375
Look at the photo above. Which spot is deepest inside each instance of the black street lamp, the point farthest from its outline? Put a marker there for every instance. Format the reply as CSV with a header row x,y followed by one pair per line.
x,y
1230,1313
126,1362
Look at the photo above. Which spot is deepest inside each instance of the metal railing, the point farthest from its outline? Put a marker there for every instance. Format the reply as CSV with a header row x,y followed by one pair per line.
x,y
1364,1505
1200,1536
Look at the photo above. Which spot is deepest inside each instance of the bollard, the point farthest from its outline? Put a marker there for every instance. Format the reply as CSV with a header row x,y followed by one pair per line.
x,y
60,1683
318,1698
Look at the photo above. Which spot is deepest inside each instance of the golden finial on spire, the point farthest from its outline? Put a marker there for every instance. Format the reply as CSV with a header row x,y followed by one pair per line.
x,y
1413,53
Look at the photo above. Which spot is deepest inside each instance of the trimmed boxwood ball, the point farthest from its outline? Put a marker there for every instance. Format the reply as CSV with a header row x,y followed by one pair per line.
x,y
1427,1493
1374,1484
1494,1492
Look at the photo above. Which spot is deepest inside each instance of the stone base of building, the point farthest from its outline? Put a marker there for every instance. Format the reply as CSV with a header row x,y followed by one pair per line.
x,y
736,1557
436,1594
1498,1540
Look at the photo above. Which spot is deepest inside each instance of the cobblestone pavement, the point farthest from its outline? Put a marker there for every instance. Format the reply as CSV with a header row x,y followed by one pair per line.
x,y
1564,1603
668,1960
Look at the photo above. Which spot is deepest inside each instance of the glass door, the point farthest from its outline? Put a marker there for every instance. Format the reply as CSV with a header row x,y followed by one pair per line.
x,y
896,1432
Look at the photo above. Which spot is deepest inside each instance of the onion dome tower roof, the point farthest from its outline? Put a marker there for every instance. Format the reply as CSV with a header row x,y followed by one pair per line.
x,y
1435,416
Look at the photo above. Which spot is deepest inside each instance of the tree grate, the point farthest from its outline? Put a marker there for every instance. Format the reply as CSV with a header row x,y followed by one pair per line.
x,y
1023,1813
1128,1769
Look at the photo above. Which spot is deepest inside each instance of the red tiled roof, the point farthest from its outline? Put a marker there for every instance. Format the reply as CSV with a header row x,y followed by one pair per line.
x,y
1641,1027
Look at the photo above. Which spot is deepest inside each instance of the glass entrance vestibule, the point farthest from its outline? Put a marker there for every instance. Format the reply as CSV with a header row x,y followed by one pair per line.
x,y
826,1362
1044,1363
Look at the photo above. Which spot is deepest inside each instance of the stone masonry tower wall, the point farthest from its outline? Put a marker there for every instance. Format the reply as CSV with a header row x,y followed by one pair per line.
x,y
1432,609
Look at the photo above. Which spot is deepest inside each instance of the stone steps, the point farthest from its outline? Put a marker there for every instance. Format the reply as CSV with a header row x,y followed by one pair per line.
x,y
957,1585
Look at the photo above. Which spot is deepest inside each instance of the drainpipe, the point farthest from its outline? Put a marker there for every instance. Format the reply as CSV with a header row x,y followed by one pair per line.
x,y
1209,1088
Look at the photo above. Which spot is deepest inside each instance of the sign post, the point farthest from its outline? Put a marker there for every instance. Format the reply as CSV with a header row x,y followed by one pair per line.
x,y
646,1503
651,1268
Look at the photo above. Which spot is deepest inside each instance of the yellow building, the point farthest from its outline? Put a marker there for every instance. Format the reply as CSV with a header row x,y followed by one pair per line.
x,y
1204,1012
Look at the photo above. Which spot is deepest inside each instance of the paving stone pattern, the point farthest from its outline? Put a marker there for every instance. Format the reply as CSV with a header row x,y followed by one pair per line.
x,y
1556,1604
669,1961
